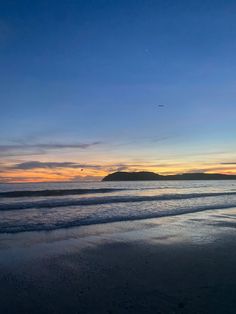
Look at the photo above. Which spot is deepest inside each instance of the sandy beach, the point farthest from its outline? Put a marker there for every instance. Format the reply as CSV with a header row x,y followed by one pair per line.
x,y
117,157
182,264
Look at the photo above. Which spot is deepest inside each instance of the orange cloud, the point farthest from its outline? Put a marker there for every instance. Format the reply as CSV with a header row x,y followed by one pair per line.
x,y
71,171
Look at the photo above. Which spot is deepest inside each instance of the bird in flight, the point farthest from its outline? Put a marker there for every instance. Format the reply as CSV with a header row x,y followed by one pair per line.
x,y
159,106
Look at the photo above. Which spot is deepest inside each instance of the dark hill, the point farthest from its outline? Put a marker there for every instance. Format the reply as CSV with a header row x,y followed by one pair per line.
x,y
151,176
132,176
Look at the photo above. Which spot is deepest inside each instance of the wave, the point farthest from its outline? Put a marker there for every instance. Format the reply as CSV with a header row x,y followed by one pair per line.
x,y
103,220
61,192
106,200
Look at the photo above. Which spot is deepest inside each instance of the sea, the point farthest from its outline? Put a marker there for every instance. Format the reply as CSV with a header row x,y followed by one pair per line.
x,y
51,206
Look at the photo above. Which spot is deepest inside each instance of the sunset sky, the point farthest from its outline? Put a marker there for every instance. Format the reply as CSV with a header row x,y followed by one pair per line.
x,y
92,87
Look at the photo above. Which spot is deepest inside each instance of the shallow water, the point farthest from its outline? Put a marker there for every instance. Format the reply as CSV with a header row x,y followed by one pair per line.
x,y
64,205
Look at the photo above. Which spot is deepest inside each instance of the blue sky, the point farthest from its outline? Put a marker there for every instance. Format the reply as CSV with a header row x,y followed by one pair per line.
x,y
85,72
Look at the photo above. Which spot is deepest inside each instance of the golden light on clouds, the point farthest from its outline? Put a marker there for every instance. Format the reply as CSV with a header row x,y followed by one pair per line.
x,y
63,171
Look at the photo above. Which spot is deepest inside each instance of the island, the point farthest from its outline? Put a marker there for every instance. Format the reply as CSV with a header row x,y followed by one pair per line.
x,y
151,176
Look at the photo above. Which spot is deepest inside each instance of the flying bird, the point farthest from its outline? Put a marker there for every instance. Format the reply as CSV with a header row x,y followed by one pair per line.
x,y
159,106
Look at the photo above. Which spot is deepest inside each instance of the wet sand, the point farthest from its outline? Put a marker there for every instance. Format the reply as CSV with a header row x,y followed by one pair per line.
x,y
182,264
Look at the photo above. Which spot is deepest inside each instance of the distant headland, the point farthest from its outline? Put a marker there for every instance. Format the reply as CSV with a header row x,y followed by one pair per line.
x,y
151,176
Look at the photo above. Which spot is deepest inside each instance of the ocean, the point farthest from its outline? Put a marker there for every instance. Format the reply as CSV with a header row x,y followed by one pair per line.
x,y
51,206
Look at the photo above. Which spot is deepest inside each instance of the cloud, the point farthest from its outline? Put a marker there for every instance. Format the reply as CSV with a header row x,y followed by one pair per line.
x,y
40,171
214,169
10,179
228,163
121,168
29,165
86,178
41,148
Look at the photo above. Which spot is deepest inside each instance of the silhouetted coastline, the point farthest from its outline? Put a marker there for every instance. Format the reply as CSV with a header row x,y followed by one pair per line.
x,y
151,176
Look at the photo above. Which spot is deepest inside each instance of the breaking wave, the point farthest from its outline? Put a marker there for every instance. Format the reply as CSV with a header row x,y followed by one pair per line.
x,y
105,200
101,220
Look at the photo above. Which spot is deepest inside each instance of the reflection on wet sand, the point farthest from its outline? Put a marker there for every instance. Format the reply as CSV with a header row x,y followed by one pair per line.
x,y
182,264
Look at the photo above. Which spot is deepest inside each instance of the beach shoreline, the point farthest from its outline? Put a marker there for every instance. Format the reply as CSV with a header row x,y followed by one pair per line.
x,y
182,264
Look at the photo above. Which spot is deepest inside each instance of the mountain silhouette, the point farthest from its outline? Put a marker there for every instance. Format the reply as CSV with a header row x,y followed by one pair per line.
x,y
151,176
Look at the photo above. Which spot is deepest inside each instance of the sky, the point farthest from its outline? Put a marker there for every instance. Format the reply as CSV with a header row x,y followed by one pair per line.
x,y
92,87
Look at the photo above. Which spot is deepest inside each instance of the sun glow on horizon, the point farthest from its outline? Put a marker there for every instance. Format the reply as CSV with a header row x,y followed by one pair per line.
x,y
63,174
